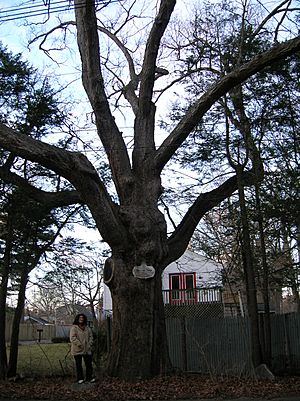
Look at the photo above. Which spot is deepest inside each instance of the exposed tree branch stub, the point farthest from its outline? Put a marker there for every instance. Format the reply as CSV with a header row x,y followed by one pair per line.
x,y
236,77
183,76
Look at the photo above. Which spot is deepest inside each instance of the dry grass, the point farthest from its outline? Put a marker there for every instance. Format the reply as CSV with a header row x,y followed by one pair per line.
x,y
40,360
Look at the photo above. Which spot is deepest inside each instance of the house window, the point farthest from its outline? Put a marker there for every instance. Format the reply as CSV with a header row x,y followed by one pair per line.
x,y
175,288
182,288
189,286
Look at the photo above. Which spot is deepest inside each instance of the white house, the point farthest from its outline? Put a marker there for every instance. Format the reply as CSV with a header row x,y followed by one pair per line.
x,y
189,280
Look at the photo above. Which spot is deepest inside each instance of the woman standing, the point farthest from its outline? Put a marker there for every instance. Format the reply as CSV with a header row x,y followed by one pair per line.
x,y
81,338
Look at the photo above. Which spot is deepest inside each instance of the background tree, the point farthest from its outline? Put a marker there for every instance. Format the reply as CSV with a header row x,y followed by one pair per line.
x,y
248,109
35,230
74,275
29,104
43,301
130,220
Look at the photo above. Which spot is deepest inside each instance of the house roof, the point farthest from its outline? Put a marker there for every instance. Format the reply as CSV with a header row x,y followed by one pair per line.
x,y
71,310
207,270
37,320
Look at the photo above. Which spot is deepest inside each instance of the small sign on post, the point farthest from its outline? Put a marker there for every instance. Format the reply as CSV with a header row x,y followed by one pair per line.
x,y
40,334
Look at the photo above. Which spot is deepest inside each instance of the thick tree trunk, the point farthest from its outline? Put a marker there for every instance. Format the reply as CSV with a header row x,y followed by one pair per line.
x,y
250,280
138,324
267,350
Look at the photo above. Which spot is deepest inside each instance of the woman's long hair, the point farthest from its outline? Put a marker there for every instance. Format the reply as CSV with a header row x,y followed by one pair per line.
x,y
76,320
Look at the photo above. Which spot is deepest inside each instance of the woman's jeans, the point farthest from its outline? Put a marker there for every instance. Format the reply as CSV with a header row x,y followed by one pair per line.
x,y
88,365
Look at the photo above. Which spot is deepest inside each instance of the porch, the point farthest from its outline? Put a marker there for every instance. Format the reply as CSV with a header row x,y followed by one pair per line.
x,y
192,296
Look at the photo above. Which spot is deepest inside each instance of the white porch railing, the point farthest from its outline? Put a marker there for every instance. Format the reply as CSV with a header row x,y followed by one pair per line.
x,y
192,296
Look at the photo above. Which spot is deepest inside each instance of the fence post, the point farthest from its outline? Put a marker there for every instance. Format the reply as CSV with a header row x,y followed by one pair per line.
x,y
183,343
108,320
262,337
287,343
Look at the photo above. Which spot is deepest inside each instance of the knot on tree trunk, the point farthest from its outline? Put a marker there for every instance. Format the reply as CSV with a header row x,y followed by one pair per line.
x,y
147,231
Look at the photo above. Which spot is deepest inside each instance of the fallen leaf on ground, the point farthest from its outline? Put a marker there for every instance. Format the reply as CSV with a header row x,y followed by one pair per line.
x,y
184,386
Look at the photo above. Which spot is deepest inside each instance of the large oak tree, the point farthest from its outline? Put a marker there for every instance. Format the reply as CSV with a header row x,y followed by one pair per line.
x,y
131,222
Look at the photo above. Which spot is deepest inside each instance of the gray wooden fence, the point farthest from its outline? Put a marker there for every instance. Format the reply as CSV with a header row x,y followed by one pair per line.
x,y
32,332
209,345
37,332
222,345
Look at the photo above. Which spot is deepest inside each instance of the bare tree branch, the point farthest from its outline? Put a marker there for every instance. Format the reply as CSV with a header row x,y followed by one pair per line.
x,y
185,75
149,66
76,168
129,89
180,238
44,37
282,19
88,42
50,199
276,10
144,124
197,111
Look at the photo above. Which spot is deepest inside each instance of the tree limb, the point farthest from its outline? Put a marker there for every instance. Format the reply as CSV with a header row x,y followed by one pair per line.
x,y
180,238
88,43
49,199
236,77
76,168
144,124
276,10
129,89
149,66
